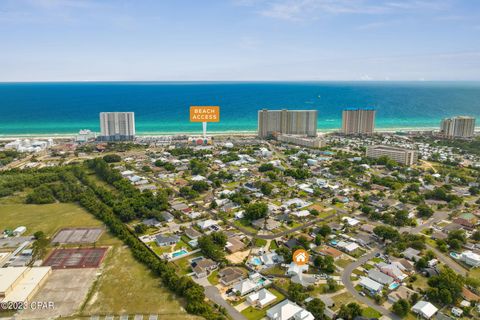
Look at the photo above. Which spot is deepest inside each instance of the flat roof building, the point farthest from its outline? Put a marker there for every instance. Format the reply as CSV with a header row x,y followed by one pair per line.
x,y
19,284
296,122
404,156
117,126
458,127
358,121
309,142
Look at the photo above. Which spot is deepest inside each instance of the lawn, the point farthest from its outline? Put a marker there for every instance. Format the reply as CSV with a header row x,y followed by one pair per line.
x,y
342,263
244,223
183,264
252,313
342,298
213,278
48,218
277,293
126,286
371,313
159,250
274,270
259,242
273,245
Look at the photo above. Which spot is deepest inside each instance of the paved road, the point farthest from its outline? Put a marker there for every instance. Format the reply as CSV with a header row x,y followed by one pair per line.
x,y
437,217
347,272
448,261
213,294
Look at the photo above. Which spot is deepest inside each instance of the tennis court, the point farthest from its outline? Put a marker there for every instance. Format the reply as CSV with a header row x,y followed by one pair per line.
x,y
76,258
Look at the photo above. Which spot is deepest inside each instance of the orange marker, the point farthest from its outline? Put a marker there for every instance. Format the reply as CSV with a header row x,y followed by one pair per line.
x,y
300,257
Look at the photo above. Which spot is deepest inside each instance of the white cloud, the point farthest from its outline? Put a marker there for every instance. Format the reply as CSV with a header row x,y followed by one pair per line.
x,y
311,9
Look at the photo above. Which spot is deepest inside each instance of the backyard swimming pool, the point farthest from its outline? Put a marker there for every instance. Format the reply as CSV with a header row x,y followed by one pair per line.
x,y
256,261
179,253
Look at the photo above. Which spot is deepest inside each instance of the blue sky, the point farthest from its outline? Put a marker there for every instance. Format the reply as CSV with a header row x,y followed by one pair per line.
x,y
87,40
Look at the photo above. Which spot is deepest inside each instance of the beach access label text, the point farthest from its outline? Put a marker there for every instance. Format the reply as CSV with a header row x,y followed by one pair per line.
x,y
204,114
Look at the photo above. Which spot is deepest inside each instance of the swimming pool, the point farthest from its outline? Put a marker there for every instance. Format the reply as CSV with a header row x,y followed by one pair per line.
x,y
334,242
394,286
454,255
179,253
256,261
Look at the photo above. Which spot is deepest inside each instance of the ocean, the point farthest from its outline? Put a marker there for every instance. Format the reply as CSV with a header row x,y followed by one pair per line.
x,y
163,107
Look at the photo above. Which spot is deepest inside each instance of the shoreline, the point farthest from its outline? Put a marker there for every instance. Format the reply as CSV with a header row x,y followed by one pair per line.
x,y
5,137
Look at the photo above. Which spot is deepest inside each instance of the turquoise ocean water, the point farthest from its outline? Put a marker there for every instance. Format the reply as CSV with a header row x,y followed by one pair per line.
x,y
163,107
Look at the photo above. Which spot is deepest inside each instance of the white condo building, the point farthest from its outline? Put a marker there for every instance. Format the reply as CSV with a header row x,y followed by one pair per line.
x,y
117,126
401,155
458,127
358,121
287,122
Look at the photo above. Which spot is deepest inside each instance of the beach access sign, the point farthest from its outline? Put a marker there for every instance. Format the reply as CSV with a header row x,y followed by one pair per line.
x,y
204,114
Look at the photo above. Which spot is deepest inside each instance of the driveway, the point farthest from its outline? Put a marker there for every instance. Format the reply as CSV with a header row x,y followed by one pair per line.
x,y
214,295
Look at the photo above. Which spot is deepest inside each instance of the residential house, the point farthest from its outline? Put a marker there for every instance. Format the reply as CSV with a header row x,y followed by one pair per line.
x,y
152,222
230,275
380,277
411,254
470,258
234,244
348,247
163,240
203,267
192,233
329,251
402,292
394,270
372,286
424,309
287,310
167,216
261,298
206,224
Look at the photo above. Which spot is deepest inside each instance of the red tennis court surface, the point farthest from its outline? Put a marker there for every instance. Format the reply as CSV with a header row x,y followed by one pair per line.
x,y
76,258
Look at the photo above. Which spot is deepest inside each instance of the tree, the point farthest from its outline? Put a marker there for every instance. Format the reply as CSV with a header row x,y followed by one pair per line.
x,y
401,307
200,186
476,235
424,211
386,232
446,288
188,193
296,292
41,195
331,285
325,264
266,188
141,228
265,167
220,238
210,248
256,211
324,230
198,167
111,158
285,253
350,311
316,307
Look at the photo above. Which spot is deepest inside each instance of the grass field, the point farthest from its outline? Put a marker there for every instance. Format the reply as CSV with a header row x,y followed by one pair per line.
x,y
48,218
124,286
